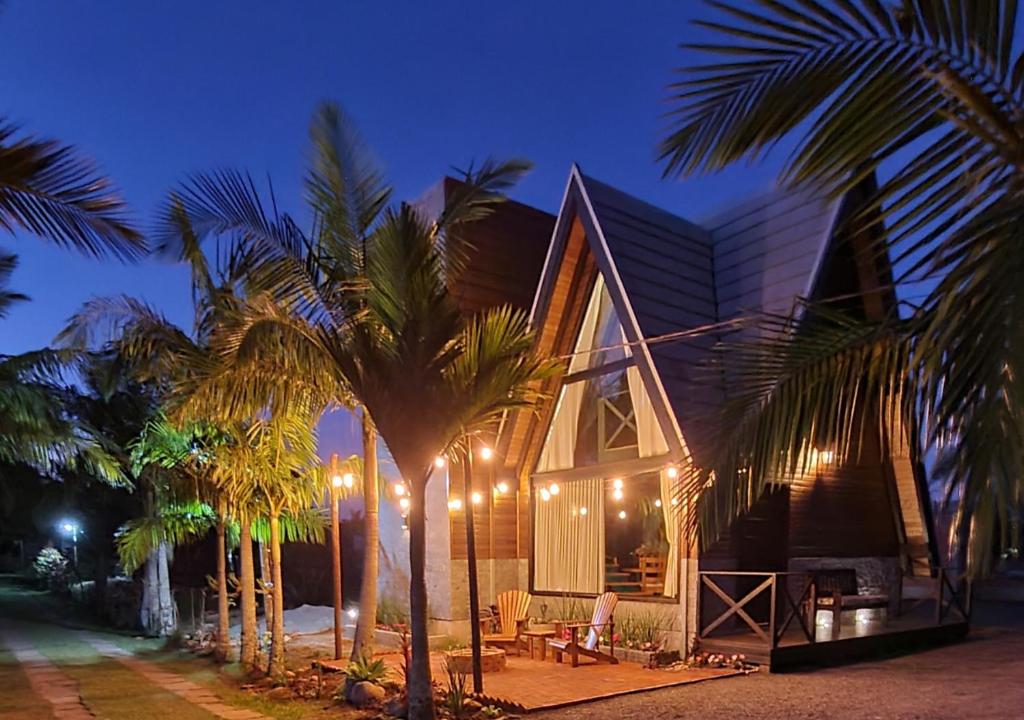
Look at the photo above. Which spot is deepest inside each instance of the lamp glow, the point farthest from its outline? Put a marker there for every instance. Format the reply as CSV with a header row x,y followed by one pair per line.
x,y
617,484
554,489
404,503
617,493
477,498
672,472
336,481
502,487
439,462
348,480
545,494
657,503
399,489
622,514
583,510
675,501
353,613
486,453
455,504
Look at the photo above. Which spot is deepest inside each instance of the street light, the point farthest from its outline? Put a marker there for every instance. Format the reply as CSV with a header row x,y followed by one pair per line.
x,y
70,529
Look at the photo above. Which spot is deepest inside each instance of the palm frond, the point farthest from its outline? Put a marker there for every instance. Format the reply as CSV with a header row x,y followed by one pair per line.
x,y
47,189
7,298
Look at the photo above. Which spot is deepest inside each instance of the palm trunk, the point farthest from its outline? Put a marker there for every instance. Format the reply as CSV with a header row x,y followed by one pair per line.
x,y
421,700
223,620
276,667
149,606
167,610
248,651
267,574
362,645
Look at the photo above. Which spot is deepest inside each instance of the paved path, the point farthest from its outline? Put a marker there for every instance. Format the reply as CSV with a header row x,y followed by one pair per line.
x,y
75,674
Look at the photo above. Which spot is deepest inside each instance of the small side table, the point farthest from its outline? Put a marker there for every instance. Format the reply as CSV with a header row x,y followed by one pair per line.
x,y
538,637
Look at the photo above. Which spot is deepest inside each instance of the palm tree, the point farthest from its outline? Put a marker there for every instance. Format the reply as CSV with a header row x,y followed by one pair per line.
x,y
369,294
930,94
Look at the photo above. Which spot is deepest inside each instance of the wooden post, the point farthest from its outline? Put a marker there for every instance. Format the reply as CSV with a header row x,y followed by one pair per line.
x,y
771,619
474,590
336,561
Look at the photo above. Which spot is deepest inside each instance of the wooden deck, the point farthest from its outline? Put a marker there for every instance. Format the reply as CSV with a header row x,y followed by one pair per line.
x,y
527,685
857,641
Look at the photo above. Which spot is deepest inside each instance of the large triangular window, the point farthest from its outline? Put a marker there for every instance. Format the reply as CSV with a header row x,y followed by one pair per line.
x,y
604,413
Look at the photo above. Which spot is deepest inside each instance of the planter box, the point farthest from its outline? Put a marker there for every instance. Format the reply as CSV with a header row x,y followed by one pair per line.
x,y
643,657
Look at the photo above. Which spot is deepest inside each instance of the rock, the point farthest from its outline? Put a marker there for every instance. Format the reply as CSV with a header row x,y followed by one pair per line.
x,y
397,706
279,694
364,693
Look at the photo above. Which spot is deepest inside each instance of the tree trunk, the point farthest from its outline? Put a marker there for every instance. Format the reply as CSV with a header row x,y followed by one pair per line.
x,y
223,648
149,606
248,651
421,700
474,588
267,576
362,645
336,578
168,611
276,667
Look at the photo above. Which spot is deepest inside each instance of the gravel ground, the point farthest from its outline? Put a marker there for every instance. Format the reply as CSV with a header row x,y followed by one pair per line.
x,y
980,678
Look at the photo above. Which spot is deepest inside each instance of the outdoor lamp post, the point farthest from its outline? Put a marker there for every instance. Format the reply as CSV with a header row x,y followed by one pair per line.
x,y
337,482
70,529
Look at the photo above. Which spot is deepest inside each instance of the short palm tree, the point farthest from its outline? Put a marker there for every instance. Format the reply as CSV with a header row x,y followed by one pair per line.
x,y
930,94
369,294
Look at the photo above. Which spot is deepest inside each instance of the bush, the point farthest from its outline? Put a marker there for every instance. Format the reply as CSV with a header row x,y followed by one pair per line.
x,y
365,669
391,614
52,568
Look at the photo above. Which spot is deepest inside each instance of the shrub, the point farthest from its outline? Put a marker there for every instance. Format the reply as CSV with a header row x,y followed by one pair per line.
x,y
391,614
52,568
365,669
643,628
456,697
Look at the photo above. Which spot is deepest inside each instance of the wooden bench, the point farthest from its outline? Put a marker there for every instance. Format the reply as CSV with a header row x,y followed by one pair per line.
x,y
835,590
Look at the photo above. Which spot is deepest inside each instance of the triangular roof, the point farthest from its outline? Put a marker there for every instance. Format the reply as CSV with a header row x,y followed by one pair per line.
x,y
667,274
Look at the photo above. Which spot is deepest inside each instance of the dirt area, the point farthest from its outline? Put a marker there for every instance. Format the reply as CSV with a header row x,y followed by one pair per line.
x,y
981,678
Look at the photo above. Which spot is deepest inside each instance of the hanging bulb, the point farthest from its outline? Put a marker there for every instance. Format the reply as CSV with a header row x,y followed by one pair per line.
x,y
583,511
486,453
622,514
657,503
617,483
404,503
439,461
399,489
502,487
348,480
672,472
617,493
545,495
477,498
336,481
554,489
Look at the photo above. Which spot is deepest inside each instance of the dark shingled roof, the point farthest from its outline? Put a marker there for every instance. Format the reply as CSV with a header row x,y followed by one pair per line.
x,y
759,256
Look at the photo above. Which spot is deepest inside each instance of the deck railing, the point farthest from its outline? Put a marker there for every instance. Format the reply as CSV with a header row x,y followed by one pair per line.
x,y
790,598
784,607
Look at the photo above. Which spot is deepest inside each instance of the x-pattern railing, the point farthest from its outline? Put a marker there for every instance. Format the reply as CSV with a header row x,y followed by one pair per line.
x,y
776,585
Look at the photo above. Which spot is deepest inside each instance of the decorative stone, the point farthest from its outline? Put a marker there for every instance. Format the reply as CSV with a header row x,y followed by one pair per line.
x,y
364,693
398,707
492,659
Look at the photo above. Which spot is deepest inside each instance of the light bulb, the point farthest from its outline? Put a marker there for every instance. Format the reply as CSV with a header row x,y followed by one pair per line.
x,y
657,503
544,494
675,501
554,489
502,487
477,498
353,613
583,511
672,472
348,480
404,503
399,489
455,504
622,514
486,453
617,493
617,484
439,462
336,481
826,456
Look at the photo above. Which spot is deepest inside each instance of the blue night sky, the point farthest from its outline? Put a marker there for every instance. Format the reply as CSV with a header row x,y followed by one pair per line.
x,y
153,91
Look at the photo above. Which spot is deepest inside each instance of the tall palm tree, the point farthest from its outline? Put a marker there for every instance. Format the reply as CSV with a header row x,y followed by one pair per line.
x,y
931,95
376,304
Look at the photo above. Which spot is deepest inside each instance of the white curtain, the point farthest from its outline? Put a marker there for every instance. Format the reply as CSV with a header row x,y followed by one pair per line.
x,y
560,445
568,540
650,440
672,534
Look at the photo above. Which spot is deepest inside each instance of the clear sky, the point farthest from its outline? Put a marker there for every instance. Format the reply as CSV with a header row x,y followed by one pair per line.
x,y
155,90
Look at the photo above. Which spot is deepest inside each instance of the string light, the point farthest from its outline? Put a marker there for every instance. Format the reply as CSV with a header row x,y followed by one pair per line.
x,y
622,514
617,493
672,472
617,484
348,480
675,501
404,503
657,503
486,453
439,462
399,489
554,489
545,495
336,481
477,498
502,487
583,510
455,504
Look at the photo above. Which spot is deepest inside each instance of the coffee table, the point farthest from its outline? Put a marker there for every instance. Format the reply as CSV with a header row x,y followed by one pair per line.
x,y
538,637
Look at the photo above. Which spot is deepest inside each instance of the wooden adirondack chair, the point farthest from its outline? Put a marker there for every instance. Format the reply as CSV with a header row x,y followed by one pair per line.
x,y
513,607
599,621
